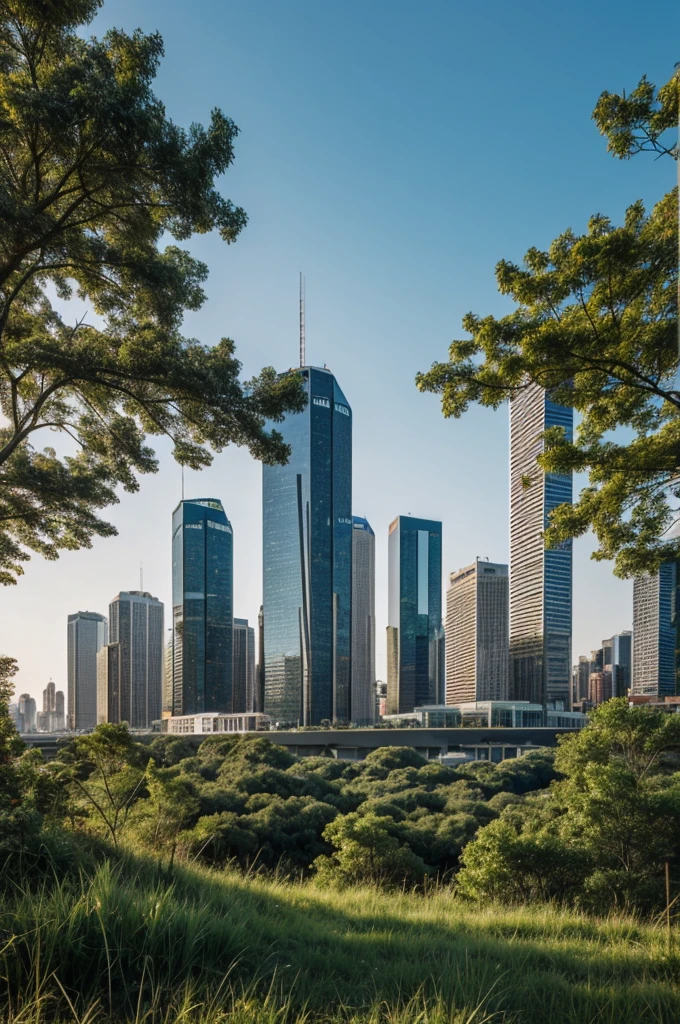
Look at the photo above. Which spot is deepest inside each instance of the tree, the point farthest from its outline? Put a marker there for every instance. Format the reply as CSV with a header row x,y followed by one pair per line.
x,y
368,852
595,325
105,774
171,803
94,178
603,833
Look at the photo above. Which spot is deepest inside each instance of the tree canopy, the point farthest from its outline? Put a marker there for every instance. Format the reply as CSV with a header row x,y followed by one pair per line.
x,y
595,325
96,186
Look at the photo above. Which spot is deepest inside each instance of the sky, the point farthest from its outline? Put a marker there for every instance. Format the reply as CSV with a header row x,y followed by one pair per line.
x,y
393,152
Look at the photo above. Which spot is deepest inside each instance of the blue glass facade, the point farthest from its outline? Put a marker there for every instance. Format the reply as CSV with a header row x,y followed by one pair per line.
x,y
307,561
414,614
558,576
202,599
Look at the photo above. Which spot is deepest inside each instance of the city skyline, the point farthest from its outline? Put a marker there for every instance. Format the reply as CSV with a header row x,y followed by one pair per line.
x,y
382,302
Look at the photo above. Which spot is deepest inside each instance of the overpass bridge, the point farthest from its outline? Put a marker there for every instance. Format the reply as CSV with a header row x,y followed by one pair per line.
x,y
452,744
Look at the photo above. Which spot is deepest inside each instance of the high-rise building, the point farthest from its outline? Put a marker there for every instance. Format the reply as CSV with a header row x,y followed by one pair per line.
x,y
622,660
202,607
87,634
580,679
307,560
477,633
59,712
414,632
27,713
363,622
654,632
244,673
599,687
130,666
259,692
540,579
166,704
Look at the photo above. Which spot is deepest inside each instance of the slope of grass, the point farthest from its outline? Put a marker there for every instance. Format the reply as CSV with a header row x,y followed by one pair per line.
x,y
130,944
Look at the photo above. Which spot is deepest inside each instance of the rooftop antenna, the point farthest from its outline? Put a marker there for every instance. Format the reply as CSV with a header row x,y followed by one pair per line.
x,y
302,320
141,576
182,483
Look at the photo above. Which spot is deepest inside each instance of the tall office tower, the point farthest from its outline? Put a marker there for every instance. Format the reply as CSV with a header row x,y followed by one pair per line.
x,y
50,698
59,711
27,713
654,632
477,633
540,579
130,666
414,613
622,659
581,677
166,704
307,560
202,607
259,690
87,634
363,622
244,667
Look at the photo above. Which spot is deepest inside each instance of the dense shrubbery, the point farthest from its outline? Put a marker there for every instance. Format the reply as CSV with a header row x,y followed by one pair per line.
x,y
591,824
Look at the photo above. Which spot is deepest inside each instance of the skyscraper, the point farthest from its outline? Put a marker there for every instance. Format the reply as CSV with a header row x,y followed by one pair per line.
x,y
130,666
259,692
477,633
540,579
363,622
654,632
622,658
414,613
244,667
307,560
202,607
166,704
580,678
27,712
87,634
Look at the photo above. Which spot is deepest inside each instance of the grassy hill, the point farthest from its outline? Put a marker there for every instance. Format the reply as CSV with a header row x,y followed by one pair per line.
x,y
124,942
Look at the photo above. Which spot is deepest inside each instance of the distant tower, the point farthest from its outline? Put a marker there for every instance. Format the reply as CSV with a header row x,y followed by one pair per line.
x,y
414,633
59,711
622,660
540,579
244,667
87,634
166,706
363,622
307,560
654,632
477,633
259,692
202,607
130,666
27,713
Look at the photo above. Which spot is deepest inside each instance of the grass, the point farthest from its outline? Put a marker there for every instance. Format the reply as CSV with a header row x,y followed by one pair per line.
x,y
127,944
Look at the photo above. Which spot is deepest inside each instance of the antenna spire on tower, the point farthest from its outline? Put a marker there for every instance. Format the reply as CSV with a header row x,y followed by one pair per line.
x,y
302,321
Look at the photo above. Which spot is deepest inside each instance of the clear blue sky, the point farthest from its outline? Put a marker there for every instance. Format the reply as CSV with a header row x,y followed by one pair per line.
x,y
393,151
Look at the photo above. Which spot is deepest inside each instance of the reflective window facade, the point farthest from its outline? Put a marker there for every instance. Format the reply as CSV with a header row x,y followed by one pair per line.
x,y
654,632
307,561
414,632
87,634
202,607
540,579
130,666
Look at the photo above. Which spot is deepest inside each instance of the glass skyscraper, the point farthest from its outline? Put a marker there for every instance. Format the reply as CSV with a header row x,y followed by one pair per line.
x,y
363,622
130,666
414,632
202,608
87,634
307,561
540,579
655,632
